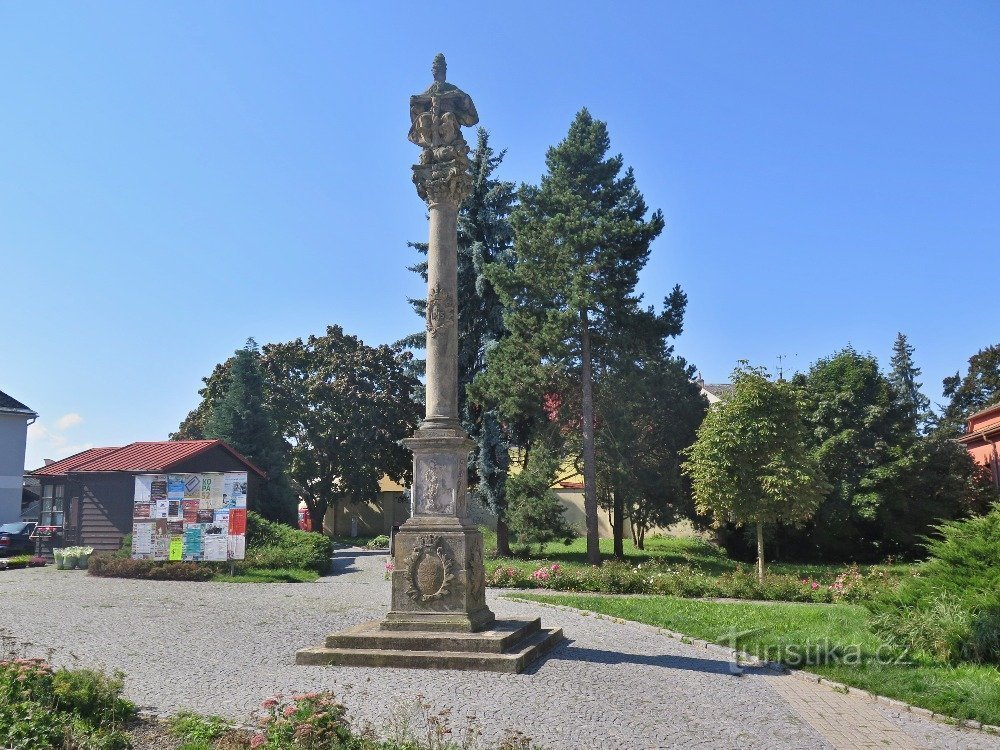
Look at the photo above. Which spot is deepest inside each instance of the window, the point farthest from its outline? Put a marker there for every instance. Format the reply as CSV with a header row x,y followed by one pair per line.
x,y
53,496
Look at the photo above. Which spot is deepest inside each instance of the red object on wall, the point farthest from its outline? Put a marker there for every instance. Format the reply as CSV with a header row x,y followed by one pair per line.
x,y
305,520
237,521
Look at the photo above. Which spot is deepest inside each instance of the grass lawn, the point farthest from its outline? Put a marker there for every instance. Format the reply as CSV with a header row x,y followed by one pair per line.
x,y
697,553
269,575
785,632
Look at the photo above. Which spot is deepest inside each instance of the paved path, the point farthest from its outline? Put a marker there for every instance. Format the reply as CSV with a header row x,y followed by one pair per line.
x,y
223,648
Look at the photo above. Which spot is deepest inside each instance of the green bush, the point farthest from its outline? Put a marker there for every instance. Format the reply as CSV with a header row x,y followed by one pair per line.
x,y
379,542
42,708
111,566
269,542
949,610
19,561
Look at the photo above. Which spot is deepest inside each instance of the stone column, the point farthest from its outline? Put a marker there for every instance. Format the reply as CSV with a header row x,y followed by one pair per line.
x,y
438,580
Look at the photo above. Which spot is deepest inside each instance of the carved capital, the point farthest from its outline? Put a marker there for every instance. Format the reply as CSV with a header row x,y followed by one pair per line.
x,y
443,173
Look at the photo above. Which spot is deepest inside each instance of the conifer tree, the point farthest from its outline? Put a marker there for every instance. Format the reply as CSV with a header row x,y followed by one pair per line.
x,y
241,418
903,377
581,238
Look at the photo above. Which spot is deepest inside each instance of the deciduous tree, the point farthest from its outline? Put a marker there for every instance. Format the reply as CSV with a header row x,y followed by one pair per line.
x,y
344,407
750,464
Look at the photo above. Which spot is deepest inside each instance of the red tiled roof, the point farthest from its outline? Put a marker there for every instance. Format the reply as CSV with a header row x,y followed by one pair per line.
x,y
159,456
68,464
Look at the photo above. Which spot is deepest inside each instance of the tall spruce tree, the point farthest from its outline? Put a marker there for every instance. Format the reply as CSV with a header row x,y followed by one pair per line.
x,y
903,377
240,417
484,241
581,238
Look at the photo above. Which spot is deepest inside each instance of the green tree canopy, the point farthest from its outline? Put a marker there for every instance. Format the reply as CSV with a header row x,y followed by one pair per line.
x,y
240,416
647,415
340,408
750,464
976,390
581,238
344,407
903,377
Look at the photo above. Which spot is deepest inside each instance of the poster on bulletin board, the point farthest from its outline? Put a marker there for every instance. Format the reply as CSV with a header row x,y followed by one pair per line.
x,y
190,517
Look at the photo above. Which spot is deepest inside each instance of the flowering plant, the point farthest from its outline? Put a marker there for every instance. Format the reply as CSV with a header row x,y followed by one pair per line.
x,y
389,567
312,721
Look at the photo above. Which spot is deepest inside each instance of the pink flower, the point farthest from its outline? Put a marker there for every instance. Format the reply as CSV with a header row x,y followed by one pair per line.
x,y
257,741
389,566
269,703
815,585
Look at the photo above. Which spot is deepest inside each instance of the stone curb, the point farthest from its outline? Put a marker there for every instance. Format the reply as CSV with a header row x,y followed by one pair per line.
x,y
744,659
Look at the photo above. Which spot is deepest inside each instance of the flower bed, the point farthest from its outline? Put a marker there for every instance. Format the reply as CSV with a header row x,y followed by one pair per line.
x,y
851,584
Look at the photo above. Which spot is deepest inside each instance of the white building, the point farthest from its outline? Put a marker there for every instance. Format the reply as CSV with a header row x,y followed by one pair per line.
x,y
14,420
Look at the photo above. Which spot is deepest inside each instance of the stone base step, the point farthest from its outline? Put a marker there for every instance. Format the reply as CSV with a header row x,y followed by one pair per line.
x,y
500,637
422,651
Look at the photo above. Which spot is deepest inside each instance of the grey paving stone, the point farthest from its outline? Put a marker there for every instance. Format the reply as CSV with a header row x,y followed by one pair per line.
x,y
224,648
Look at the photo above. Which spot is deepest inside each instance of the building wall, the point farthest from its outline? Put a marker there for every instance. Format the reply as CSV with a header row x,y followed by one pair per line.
x,y
105,501
13,434
372,518
985,449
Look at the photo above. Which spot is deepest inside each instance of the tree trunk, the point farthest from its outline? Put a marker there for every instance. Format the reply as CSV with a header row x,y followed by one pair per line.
x,y
619,525
760,551
589,451
316,513
503,538
640,542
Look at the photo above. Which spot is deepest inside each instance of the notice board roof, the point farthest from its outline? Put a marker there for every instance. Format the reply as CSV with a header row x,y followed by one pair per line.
x,y
139,457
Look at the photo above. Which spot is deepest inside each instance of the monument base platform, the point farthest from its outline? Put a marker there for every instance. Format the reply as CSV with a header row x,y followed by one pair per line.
x,y
507,646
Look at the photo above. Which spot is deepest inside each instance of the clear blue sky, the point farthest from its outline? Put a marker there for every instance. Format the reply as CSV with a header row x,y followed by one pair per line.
x,y
176,177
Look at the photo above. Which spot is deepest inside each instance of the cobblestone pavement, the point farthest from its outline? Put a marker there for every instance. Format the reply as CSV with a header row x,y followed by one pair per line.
x,y
223,648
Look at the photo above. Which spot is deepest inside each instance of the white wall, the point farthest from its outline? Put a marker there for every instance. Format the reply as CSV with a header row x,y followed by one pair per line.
x,y
13,434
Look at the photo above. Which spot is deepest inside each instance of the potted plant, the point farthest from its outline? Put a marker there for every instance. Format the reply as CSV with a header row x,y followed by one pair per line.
x,y
71,556
59,557
83,560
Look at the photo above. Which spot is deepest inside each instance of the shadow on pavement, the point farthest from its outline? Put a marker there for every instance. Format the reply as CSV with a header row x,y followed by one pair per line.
x,y
343,560
666,661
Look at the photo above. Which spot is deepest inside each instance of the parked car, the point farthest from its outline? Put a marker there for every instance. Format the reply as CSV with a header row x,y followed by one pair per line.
x,y
15,538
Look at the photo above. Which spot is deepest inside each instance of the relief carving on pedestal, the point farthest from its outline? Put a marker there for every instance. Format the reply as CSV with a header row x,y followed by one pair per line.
x,y
430,570
475,575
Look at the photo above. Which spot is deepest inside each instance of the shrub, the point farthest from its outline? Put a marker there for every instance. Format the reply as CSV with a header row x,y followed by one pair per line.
x,y
196,731
110,566
950,610
379,542
938,629
45,708
268,542
18,561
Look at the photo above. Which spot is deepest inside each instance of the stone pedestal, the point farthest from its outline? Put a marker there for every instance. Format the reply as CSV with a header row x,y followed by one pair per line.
x,y
438,616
